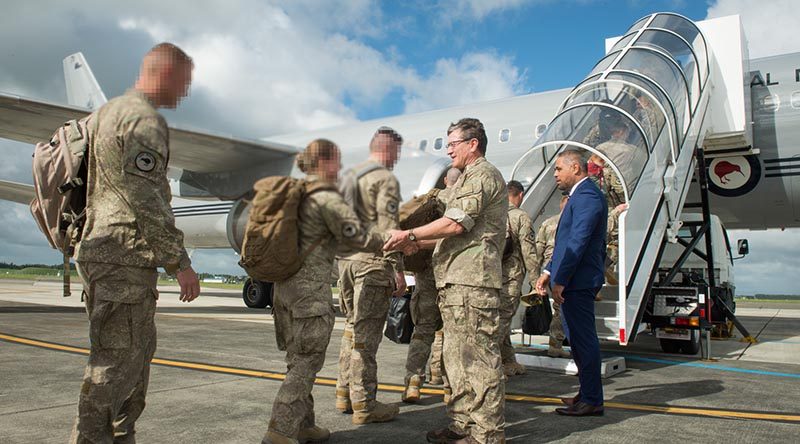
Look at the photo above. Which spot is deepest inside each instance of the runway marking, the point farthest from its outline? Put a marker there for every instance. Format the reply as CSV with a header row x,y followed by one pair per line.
x,y
533,399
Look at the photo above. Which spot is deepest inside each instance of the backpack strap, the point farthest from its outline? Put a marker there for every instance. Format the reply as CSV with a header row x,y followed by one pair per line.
x,y
319,186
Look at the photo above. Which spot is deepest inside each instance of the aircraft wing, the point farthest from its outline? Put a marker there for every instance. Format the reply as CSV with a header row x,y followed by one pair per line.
x,y
31,121
16,192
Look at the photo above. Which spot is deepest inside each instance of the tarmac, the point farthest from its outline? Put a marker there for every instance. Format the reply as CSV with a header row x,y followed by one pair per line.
x,y
217,370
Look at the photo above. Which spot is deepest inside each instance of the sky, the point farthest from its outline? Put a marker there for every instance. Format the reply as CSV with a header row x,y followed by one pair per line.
x,y
270,67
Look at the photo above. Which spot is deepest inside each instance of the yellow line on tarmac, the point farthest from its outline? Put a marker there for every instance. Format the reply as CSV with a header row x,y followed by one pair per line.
x,y
659,409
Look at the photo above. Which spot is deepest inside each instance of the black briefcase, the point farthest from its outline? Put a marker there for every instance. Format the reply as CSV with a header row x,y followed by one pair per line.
x,y
537,318
399,325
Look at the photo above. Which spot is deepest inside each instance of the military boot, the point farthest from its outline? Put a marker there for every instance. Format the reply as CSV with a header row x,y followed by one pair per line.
x,y
343,400
313,434
411,393
554,352
276,438
364,413
448,392
436,378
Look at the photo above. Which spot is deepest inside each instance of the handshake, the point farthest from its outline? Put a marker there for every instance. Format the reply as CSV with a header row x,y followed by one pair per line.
x,y
401,240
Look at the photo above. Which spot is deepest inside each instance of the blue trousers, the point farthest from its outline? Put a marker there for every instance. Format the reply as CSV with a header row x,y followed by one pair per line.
x,y
578,313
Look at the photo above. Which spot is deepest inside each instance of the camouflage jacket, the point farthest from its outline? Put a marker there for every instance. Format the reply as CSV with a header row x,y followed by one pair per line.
x,y
546,239
479,202
129,220
325,217
523,258
377,209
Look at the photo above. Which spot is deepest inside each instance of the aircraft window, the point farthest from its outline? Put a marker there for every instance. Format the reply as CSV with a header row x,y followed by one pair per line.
x,y
771,103
505,135
604,63
690,33
437,144
540,128
622,42
680,52
796,99
423,144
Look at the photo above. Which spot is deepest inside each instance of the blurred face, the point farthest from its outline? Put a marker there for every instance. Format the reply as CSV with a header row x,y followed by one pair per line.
x,y
566,174
515,198
177,81
462,151
387,150
328,169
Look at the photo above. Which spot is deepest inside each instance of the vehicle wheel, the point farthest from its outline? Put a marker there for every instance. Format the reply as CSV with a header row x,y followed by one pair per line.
x,y
692,346
670,345
257,294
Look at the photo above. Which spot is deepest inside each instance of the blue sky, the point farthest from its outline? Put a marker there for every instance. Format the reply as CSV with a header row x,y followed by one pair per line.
x,y
265,67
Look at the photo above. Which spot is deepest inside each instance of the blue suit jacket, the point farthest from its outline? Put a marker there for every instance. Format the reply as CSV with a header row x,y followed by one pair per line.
x,y
579,254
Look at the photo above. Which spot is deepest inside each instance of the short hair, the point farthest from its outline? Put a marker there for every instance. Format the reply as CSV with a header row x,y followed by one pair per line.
x,y
386,131
574,156
515,187
471,129
452,175
315,151
170,51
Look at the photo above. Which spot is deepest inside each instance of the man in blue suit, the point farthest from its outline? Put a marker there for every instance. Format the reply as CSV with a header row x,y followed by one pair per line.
x,y
576,274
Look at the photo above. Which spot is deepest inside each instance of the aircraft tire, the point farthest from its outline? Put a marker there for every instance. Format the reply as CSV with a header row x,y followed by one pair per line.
x,y
257,294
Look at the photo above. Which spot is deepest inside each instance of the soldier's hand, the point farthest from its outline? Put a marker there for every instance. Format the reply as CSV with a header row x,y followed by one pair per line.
x,y
400,285
621,207
558,295
541,284
397,240
410,249
190,285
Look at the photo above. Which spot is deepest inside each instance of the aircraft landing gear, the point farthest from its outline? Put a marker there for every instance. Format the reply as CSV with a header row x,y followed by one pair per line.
x,y
257,294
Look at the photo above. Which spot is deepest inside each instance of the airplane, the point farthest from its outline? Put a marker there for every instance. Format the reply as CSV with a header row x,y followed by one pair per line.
x,y
753,173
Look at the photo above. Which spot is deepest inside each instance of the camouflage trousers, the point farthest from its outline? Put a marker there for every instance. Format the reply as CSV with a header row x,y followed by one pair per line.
x,y
364,296
304,318
121,304
556,328
612,260
509,303
472,358
437,363
427,320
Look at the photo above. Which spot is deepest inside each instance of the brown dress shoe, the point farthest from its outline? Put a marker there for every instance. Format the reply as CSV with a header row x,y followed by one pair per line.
x,y
443,436
571,401
581,409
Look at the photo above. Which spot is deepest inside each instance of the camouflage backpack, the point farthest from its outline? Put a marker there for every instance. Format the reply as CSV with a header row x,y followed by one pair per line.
x,y
271,247
59,182
415,213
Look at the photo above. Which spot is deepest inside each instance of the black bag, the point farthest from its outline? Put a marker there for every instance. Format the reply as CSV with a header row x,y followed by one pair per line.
x,y
537,318
399,325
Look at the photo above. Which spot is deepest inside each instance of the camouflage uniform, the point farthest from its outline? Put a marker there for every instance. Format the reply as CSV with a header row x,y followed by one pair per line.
x,y
366,282
427,321
523,259
129,232
303,308
615,196
469,277
545,243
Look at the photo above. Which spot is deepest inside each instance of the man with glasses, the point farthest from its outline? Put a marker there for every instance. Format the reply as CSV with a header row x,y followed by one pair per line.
x,y
468,243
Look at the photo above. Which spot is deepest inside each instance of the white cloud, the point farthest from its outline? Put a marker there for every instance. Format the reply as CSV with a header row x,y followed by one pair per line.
x,y
770,27
479,9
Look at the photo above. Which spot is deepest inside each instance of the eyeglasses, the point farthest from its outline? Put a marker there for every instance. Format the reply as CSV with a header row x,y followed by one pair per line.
x,y
456,142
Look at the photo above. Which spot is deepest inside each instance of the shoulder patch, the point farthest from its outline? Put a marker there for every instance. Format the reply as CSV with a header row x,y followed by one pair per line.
x,y
391,207
349,230
145,162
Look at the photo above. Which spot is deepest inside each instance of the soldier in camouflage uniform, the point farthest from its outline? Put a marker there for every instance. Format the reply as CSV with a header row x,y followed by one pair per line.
x,y
427,320
521,259
467,264
129,232
303,311
367,281
545,242
612,188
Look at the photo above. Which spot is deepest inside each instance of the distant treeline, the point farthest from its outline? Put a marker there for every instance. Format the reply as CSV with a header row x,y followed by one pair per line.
x,y
13,266
780,297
